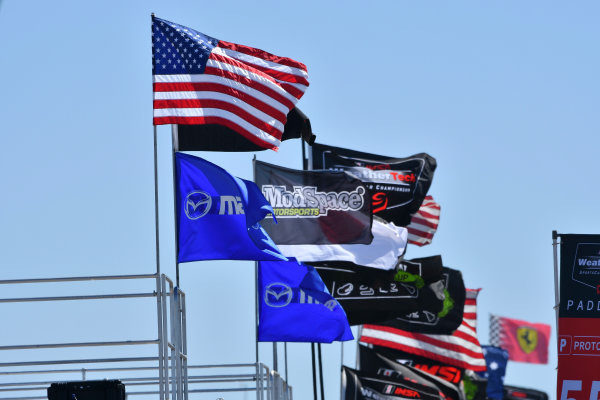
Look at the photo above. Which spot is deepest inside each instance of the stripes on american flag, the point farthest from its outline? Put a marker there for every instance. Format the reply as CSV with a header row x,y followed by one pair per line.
x,y
461,349
424,223
201,80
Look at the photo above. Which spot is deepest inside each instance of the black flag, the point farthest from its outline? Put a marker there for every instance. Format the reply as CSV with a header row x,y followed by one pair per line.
x,y
398,185
373,362
446,372
520,393
373,296
212,137
315,207
358,385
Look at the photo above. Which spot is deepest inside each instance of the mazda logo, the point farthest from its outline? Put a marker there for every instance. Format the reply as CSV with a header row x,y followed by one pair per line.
x,y
278,295
197,204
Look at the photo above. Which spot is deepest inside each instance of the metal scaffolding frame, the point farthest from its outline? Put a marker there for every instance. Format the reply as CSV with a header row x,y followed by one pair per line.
x,y
167,371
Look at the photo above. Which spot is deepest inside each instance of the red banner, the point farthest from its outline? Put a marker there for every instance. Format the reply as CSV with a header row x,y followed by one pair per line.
x,y
578,359
579,318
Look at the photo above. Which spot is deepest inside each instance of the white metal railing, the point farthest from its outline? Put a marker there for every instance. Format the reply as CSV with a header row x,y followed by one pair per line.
x,y
163,373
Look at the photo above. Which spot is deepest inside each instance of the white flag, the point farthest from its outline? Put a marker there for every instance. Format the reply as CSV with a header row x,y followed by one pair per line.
x,y
389,243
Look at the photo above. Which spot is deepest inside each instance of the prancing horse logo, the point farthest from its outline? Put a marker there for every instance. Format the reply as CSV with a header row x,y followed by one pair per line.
x,y
278,295
197,204
528,339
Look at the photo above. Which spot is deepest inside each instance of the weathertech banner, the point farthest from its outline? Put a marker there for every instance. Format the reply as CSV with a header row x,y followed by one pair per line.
x,y
398,185
425,321
579,318
373,362
374,296
524,341
461,349
358,385
315,207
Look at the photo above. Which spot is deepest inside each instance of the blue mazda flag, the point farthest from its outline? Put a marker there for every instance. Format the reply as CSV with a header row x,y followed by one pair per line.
x,y
295,305
218,214
496,359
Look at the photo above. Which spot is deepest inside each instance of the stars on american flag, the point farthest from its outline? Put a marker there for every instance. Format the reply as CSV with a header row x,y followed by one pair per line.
x,y
179,50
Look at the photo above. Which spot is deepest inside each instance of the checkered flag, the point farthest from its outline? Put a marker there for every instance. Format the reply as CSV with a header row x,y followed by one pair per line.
x,y
495,330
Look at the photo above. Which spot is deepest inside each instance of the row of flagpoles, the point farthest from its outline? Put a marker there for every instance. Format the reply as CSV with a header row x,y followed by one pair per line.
x,y
330,240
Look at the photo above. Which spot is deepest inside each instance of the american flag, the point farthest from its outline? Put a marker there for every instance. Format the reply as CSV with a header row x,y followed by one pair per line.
x,y
424,223
461,349
202,80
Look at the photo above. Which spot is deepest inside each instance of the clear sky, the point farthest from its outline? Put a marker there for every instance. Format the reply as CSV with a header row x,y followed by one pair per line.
x,y
504,94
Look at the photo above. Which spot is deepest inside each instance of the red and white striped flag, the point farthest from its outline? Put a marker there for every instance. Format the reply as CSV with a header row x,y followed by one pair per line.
x,y
202,80
461,349
424,223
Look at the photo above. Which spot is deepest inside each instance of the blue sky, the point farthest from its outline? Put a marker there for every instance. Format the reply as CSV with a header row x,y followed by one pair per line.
x,y
504,94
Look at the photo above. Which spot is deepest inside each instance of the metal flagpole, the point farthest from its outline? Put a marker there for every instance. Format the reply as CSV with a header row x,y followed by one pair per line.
x,y
258,369
275,366
312,350
285,358
312,345
159,298
555,236
321,372
175,148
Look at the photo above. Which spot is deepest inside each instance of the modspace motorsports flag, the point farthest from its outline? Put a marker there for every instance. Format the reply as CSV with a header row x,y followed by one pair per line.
x,y
372,296
315,207
524,341
579,317
218,214
295,306
398,185
202,80
461,349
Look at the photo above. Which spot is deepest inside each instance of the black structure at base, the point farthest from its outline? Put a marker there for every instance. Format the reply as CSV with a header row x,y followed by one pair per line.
x,y
87,390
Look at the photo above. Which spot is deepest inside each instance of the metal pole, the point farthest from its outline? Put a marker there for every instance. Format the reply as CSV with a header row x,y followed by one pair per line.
x,y
175,147
255,285
321,372
286,365
314,373
341,368
275,366
156,230
555,236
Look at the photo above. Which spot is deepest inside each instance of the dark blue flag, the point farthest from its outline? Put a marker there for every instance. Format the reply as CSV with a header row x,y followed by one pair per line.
x,y
496,359
295,305
218,214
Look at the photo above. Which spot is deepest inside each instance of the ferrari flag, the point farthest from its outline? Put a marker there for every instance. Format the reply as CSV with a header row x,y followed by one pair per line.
x,y
202,80
524,341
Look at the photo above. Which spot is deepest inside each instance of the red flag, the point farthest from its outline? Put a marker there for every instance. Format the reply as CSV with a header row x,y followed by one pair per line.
x,y
424,223
461,349
524,341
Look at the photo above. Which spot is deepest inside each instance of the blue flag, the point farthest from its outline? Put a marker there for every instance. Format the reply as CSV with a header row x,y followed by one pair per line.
x,y
218,214
295,305
496,359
